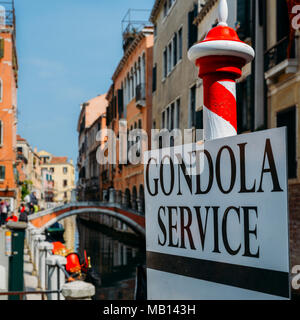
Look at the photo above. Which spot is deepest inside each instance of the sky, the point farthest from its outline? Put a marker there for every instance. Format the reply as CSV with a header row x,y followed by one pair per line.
x,y
67,53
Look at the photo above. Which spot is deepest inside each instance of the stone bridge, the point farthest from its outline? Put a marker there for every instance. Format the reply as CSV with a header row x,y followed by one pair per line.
x,y
44,219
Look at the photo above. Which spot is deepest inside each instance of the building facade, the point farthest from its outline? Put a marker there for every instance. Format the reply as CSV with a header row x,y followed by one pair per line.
x,y
268,93
174,76
63,175
129,116
92,119
282,76
8,110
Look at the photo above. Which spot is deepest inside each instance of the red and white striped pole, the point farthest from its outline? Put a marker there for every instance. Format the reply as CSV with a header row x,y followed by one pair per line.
x,y
220,58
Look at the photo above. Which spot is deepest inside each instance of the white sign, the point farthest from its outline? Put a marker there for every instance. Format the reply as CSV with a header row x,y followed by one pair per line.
x,y
217,219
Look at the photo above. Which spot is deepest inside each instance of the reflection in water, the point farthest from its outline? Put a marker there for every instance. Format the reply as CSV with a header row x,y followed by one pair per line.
x,y
114,257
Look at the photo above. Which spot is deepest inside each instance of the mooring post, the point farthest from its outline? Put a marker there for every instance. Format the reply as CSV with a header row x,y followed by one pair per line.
x,y
44,248
39,238
78,290
220,58
56,277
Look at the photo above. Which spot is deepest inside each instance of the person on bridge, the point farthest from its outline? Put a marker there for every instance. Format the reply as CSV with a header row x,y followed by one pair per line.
x,y
23,213
12,217
3,210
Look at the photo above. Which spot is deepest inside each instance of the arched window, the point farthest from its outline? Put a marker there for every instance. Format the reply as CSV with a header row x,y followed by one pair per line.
x,y
134,198
142,198
127,198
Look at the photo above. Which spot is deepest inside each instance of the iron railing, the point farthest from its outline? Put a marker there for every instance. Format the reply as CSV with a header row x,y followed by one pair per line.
x,y
21,294
278,53
140,92
127,200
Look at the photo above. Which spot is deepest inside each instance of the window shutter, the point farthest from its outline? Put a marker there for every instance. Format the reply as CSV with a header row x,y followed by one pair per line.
x,y
120,102
1,133
287,118
154,79
1,48
107,116
192,29
2,172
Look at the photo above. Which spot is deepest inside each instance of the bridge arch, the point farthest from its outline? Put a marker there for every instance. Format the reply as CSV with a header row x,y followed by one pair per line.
x,y
45,219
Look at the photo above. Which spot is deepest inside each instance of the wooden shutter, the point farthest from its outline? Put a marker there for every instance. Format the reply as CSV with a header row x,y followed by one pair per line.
x,y
1,48
2,172
120,102
154,74
287,118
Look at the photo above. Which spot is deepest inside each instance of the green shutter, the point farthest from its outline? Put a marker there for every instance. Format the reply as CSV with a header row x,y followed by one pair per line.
x,y
2,172
1,48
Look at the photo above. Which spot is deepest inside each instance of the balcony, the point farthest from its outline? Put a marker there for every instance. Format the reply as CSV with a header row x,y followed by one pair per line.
x,y
140,95
277,61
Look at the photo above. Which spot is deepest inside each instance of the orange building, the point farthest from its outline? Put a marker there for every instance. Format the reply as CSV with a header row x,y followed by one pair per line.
x,y
130,99
8,110
91,120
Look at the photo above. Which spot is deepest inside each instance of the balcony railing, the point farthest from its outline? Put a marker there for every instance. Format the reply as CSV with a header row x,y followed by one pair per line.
x,y
278,53
140,95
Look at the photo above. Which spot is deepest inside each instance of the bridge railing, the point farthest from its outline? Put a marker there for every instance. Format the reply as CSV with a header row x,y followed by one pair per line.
x,y
125,200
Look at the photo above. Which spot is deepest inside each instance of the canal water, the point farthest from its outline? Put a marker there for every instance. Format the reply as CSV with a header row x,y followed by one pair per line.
x,y
114,256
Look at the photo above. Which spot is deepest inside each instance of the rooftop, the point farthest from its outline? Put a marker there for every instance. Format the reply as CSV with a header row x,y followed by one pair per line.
x,y
92,109
19,138
59,160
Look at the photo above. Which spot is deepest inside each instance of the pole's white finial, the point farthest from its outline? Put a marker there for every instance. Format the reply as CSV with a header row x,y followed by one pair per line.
x,y
223,13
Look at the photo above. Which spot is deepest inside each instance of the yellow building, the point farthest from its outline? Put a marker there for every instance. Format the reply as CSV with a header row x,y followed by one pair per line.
x,y
63,174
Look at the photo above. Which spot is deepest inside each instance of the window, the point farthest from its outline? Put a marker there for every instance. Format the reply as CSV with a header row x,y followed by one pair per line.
x,y
1,48
192,29
52,170
180,44
2,172
1,90
172,116
154,76
1,133
120,102
65,183
168,119
175,50
65,170
199,119
155,30
245,102
287,118
65,195
169,57
282,19
193,106
177,121
244,18
165,8
165,63
172,53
